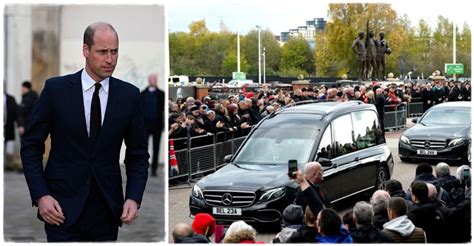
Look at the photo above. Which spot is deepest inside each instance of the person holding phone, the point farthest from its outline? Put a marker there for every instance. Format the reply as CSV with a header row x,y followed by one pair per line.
x,y
310,193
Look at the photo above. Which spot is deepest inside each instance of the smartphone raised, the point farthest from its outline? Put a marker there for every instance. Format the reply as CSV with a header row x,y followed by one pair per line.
x,y
292,167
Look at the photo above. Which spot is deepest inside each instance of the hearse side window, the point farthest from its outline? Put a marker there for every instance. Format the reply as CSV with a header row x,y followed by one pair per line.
x,y
344,143
325,149
367,132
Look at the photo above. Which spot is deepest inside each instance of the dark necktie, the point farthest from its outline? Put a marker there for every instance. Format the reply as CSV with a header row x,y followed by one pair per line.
x,y
96,119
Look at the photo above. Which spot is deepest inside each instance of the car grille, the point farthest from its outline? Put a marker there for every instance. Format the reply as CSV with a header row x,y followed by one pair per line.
x,y
428,144
237,198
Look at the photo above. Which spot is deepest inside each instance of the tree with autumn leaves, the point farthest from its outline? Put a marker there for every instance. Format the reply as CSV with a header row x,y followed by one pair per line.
x,y
416,47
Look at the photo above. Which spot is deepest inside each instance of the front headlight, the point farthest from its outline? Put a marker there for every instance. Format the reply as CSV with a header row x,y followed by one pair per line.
x,y
404,139
197,192
272,194
456,142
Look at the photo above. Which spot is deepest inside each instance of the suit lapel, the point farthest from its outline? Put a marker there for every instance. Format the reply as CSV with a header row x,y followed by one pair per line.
x,y
77,103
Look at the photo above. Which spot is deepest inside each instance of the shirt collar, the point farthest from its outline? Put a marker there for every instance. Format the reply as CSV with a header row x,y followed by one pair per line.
x,y
88,82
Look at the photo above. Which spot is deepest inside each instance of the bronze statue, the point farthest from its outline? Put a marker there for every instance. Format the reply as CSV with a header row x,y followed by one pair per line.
x,y
370,45
358,46
382,49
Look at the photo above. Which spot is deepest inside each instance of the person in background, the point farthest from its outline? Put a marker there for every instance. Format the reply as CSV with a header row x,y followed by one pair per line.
x,y
153,100
399,228
28,99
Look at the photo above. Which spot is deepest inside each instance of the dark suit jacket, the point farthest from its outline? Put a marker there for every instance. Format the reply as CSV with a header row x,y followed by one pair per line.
x,y
12,117
73,160
160,107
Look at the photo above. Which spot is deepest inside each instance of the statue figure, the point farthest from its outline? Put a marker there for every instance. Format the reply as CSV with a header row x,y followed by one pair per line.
x,y
382,49
358,46
370,44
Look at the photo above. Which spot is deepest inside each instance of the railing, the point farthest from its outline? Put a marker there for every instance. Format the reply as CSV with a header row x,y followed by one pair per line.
x,y
395,119
203,154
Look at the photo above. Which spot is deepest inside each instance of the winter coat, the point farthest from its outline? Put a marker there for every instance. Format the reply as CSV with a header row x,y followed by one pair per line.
x,y
369,234
343,237
402,230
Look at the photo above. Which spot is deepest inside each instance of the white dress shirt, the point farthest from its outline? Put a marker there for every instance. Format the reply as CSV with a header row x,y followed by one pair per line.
x,y
87,92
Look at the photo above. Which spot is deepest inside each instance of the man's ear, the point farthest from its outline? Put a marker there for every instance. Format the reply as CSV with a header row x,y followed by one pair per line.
x,y
85,50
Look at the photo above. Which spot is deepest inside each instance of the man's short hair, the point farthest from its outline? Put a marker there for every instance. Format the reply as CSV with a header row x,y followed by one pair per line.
x,y
26,84
393,185
363,213
420,190
442,169
423,168
398,205
329,222
90,31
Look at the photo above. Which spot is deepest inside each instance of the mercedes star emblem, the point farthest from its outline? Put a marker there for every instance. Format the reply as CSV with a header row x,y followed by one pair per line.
x,y
227,199
427,144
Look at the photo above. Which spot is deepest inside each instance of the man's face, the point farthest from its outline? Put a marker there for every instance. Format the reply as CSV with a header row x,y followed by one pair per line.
x,y
152,80
101,57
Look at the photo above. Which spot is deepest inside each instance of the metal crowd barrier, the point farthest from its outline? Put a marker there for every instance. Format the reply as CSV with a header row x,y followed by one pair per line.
x,y
415,109
395,120
204,154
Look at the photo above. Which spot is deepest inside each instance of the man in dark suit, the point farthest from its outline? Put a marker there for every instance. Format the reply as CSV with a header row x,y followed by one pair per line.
x,y
87,115
28,99
153,106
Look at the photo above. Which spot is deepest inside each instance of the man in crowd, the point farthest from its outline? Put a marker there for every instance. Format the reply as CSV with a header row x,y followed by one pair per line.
x,y
424,214
310,193
365,231
400,229
379,202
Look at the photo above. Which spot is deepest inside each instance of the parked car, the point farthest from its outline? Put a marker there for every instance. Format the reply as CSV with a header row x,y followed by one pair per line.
x,y
443,133
254,186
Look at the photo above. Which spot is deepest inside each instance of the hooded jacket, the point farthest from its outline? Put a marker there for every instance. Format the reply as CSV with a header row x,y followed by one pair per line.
x,y
402,230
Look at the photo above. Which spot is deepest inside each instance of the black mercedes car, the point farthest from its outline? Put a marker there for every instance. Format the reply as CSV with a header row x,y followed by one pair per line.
x,y
443,133
346,138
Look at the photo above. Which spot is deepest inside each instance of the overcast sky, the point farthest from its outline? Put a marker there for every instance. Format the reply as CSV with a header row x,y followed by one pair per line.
x,y
281,15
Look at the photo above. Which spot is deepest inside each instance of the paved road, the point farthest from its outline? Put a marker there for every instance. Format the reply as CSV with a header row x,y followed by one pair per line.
x,y
179,195
21,225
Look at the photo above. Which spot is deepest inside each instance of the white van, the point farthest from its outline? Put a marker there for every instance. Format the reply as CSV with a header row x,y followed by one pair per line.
x,y
176,80
240,83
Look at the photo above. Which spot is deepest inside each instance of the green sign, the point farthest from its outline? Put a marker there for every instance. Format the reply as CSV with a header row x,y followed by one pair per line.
x,y
238,76
450,68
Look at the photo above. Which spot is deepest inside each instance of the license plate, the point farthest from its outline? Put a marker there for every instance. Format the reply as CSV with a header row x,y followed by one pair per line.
x,y
227,211
426,152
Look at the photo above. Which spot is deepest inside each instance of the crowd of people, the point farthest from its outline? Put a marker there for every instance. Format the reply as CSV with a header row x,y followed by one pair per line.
x,y
190,117
436,208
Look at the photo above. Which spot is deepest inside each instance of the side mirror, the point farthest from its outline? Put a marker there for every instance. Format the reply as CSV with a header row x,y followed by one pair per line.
x,y
227,158
414,120
325,162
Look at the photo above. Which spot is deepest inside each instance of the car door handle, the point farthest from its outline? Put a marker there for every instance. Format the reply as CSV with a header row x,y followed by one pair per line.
x,y
357,159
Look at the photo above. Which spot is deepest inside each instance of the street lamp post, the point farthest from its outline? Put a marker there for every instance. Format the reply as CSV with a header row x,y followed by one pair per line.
x,y
259,57
263,54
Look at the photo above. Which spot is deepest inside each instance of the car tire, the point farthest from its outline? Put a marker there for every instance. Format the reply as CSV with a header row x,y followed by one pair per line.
x,y
382,176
